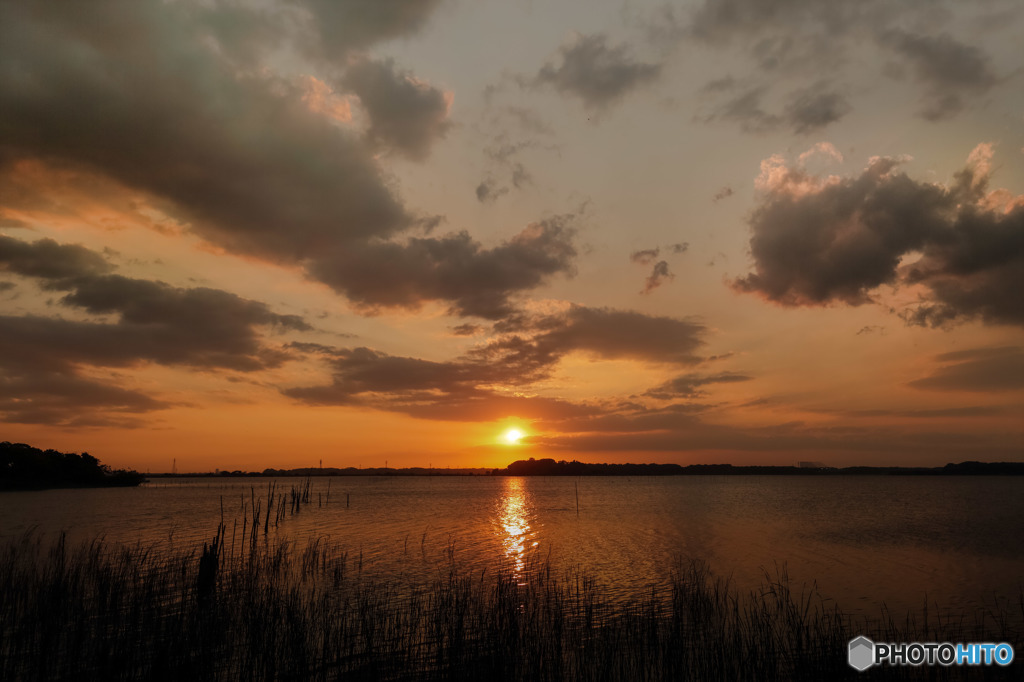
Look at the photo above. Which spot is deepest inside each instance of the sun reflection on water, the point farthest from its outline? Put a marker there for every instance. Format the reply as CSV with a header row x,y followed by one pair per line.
x,y
514,517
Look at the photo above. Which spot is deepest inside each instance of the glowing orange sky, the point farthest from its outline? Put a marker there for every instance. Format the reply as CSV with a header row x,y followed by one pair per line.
x,y
266,234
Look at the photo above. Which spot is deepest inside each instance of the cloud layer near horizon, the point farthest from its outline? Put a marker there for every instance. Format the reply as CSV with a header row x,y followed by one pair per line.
x,y
45,361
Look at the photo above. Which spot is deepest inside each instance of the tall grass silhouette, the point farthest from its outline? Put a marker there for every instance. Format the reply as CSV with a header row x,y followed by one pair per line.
x,y
273,610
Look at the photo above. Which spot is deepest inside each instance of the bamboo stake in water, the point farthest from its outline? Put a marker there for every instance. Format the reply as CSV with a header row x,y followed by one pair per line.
x,y
577,484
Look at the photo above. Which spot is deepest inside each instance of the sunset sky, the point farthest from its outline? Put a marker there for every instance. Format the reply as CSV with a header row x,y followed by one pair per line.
x,y
254,233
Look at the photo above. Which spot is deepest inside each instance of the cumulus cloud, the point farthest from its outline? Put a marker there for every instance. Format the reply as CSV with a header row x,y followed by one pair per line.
x,y
476,280
949,69
244,158
223,148
406,114
596,72
817,241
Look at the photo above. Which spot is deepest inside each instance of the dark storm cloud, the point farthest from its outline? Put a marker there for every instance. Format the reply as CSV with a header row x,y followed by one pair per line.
x,y
980,370
814,108
691,385
949,69
659,275
595,72
406,115
134,92
817,242
476,280
7,286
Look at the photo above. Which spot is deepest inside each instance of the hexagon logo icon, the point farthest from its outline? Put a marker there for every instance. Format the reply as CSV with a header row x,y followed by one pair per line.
x,y
862,653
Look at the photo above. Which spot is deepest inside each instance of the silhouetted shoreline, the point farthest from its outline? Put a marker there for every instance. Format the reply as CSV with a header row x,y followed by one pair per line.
x,y
550,467
23,467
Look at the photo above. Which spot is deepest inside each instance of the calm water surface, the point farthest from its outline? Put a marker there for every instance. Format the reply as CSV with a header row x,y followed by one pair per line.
x,y
864,541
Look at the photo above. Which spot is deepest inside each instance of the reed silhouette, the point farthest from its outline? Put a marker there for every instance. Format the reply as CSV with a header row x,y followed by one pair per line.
x,y
275,610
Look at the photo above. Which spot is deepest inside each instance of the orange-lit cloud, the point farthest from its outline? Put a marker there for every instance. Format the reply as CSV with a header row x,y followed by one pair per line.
x,y
817,241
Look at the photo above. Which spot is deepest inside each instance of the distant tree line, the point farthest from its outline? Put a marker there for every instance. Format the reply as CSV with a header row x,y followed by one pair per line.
x,y
25,467
549,467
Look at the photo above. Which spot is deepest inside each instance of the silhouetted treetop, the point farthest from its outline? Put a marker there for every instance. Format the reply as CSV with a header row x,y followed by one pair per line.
x,y
23,466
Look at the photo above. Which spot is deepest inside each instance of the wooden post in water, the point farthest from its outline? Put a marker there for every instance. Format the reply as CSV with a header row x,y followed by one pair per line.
x,y
346,500
577,484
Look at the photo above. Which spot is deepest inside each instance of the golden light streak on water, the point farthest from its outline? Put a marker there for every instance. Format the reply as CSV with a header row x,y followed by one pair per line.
x,y
513,516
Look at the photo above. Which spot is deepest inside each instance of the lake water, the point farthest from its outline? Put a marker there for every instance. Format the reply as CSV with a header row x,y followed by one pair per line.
x,y
863,540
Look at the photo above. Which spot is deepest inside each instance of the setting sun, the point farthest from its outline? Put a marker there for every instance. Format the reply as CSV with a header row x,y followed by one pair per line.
x,y
512,436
